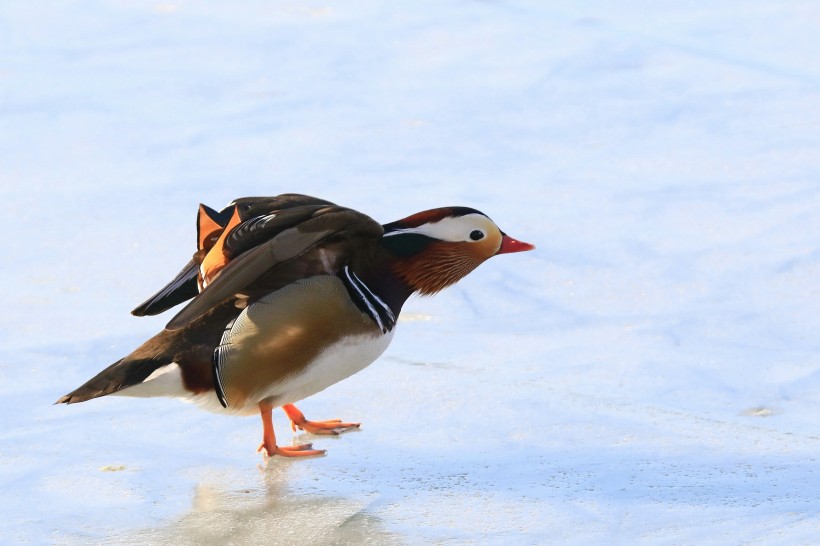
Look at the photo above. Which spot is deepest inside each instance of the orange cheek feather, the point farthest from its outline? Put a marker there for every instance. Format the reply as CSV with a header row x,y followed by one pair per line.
x,y
438,266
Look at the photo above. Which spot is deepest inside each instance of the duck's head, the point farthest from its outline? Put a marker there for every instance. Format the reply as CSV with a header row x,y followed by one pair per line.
x,y
436,248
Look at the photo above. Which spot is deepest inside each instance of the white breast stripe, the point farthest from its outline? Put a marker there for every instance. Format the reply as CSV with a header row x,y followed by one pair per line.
x,y
372,309
375,297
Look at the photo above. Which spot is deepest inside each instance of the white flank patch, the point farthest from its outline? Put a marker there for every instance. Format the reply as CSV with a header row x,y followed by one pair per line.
x,y
167,381
209,402
164,381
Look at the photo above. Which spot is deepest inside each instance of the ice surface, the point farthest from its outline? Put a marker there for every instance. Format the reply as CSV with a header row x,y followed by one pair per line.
x,y
649,375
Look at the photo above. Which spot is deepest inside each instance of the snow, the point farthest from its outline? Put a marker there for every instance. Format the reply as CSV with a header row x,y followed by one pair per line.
x,y
649,375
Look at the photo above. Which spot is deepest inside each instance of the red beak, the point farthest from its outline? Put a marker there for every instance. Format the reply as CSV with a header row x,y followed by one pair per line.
x,y
508,244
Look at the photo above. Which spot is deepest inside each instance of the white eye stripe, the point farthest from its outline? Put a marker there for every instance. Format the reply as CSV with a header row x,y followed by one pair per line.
x,y
451,229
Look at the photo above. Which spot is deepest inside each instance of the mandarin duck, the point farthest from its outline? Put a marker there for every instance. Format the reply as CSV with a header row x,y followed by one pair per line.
x,y
291,294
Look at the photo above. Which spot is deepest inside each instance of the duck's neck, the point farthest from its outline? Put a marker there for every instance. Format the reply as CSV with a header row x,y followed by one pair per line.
x,y
384,282
406,264
377,293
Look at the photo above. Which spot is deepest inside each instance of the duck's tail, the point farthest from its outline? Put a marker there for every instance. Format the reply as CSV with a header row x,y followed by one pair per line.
x,y
120,375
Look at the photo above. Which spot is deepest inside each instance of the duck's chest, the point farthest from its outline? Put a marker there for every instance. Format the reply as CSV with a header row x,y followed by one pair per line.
x,y
294,343
339,361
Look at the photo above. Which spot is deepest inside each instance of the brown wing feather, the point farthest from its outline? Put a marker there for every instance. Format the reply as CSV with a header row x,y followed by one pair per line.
x,y
336,231
184,286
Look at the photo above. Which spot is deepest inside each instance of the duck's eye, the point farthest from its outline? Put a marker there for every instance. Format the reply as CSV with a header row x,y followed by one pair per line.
x,y
476,235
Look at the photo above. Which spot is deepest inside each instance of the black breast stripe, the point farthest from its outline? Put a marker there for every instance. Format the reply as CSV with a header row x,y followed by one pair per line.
x,y
386,314
367,301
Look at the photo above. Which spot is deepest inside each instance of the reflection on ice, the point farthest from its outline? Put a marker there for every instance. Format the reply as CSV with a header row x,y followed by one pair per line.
x,y
269,513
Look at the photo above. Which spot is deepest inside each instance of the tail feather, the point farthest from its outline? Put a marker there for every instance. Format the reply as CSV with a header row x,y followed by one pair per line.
x,y
191,348
122,374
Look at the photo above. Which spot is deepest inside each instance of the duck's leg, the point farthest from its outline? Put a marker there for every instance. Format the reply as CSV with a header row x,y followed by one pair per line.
x,y
331,426
269,438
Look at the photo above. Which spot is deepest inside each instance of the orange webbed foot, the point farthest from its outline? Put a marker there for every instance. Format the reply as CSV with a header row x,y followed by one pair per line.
x,y
269,439
302,450
328,427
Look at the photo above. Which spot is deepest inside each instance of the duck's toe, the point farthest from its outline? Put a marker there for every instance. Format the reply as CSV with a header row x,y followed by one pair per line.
x,y
329,427
302,450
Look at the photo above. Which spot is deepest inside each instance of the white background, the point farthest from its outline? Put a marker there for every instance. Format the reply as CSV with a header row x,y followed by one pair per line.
x,y
649,375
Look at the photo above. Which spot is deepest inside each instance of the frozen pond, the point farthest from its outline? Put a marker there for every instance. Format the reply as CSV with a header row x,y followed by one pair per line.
x,y
649,375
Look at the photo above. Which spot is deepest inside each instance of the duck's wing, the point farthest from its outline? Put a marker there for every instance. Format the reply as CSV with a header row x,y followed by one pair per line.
x,y
256,206
182,288
209,223
270,251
